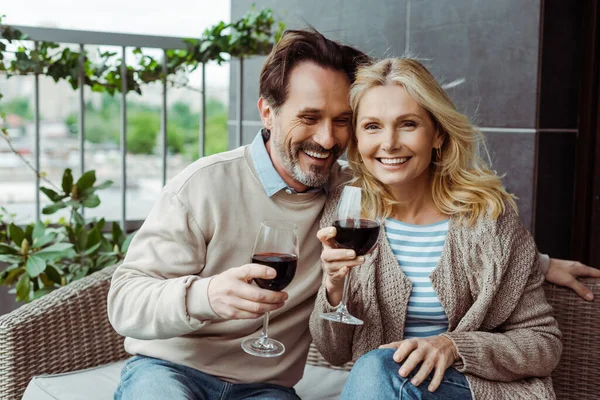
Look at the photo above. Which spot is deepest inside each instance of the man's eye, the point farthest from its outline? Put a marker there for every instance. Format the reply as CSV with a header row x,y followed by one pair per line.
x,y
342,121
309,119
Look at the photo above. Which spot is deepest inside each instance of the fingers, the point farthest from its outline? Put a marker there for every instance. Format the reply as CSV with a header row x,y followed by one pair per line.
x,y
424,371
583,270
580,289
405,347
411,362
253,309
326,236
252,271
255,294
436,381
393,345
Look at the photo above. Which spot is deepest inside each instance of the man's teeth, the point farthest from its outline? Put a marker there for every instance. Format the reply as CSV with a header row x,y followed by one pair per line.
x,y
394,161
316,155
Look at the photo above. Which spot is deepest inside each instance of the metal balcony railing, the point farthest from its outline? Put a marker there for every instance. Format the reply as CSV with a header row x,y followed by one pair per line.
x,y
125,41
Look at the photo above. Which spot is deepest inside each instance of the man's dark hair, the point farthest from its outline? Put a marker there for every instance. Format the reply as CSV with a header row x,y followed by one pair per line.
x,y
296,46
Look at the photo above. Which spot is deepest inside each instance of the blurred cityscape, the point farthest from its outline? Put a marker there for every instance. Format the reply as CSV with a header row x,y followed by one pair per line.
x,y
59,146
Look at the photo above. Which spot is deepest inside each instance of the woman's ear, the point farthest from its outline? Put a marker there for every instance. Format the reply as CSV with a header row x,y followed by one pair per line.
x,y
266,113
439,140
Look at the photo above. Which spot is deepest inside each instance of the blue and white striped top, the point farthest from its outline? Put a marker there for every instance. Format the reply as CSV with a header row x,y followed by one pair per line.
x,y
418,249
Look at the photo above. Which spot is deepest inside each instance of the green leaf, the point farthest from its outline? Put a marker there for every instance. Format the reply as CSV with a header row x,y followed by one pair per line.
x,y
23,288
127,242
73,203
91,202
103,185
16,234
106,260
53,274
86,181
100,224
51,194
82,238
52,208
29,232
41,242
117,234
92,249
10,258
7,249
80,273
43,291
9,276
78,218
55,251
38,231
67,181
35,266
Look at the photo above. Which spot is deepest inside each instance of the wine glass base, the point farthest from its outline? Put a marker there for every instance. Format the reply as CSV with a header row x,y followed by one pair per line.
x,y
263,347
343,317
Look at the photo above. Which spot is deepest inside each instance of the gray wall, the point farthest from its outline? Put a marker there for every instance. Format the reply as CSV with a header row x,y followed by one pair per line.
x,y
492,47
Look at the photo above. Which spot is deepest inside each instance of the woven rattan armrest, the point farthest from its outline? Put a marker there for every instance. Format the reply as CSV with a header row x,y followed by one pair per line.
x,y
64,331
578,374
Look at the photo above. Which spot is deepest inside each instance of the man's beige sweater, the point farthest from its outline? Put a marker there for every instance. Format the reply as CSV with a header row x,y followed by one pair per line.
x,y
204,222
488,280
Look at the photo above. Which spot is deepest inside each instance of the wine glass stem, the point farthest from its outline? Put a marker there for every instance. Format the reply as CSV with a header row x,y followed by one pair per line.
x,y
264,336
342,307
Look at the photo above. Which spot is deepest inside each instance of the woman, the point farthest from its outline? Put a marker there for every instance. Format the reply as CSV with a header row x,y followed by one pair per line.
x,y
452,293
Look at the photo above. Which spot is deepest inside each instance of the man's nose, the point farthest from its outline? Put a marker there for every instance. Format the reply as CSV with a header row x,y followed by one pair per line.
x,y
324,136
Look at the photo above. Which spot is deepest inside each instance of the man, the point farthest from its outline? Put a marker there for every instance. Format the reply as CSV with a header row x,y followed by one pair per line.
x,y
184,296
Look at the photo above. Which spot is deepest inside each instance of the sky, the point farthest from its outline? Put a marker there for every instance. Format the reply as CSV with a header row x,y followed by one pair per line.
x,y
183,18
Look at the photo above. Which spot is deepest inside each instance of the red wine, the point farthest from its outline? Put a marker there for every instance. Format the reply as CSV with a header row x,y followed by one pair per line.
x,y
358,235
284,264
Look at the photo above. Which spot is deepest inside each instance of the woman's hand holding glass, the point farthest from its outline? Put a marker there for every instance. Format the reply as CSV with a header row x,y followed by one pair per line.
x,y
336,264
433,353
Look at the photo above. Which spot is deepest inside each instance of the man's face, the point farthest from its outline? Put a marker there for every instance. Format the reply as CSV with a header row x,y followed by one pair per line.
x,y
312,128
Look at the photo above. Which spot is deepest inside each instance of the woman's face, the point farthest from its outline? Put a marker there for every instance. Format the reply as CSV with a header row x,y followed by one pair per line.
x,y
395,136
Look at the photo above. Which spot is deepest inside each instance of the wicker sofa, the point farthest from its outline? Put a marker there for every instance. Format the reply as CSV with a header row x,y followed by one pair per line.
x,y
68,330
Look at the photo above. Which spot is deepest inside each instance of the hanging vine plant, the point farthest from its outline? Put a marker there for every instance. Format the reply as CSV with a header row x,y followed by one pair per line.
x,y
253,34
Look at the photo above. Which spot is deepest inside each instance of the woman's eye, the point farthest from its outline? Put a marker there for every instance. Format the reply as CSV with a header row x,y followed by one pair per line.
x,y
410,124
370,126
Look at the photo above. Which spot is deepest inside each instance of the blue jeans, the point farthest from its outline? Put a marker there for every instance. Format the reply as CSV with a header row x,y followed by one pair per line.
x,y
150,378
375,376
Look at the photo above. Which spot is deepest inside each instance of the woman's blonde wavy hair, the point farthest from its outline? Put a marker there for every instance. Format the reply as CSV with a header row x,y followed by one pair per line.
x,y
462,183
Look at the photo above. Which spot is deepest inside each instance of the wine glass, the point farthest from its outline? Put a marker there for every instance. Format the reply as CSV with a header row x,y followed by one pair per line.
x,y
353,232
276,246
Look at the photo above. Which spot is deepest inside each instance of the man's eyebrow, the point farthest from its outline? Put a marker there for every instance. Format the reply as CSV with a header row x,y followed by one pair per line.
x,y
309,110
345,114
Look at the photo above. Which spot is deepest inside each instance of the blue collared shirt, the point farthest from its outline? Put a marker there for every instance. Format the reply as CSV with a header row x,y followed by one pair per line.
x,y
267,174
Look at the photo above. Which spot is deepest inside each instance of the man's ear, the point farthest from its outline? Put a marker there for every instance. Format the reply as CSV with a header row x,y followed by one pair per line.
x,y
266,113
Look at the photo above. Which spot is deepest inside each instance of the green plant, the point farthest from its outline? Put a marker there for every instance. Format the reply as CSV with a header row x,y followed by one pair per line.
x,y
253,34
40,258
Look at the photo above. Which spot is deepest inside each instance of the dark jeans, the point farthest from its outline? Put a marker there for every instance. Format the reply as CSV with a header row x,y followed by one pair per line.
x,y
150,378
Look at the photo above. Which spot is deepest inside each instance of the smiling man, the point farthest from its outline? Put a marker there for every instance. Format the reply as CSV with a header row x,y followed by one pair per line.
x,y
184,296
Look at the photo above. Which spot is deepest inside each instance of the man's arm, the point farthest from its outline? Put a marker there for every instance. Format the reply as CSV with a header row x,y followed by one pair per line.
x,y
566,272
157,292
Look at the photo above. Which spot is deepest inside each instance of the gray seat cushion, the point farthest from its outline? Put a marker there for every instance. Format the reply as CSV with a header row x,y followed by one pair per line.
x,y
99,383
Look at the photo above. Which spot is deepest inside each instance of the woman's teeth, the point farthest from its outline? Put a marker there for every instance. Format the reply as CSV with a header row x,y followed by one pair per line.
x,y
394,161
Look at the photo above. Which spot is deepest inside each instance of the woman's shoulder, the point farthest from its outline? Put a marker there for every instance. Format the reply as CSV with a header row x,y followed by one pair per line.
x,y
506,222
